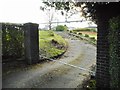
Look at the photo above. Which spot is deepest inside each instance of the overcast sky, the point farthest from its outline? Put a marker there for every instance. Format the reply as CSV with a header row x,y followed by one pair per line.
x,y
23,11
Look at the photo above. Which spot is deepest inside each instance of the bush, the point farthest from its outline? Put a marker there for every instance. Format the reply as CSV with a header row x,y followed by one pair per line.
x,y
61,28
86,35
92,85
70,31
80,33
93,38
12,40
85,29
114,52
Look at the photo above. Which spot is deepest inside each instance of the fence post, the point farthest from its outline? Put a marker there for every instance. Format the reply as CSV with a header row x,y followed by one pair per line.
x,y
31,43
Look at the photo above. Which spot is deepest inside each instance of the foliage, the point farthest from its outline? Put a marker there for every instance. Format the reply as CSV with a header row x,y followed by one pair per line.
x,y
61,28
114,52
85,29
89,9
89,31
80,33
93,38
86,35
92,85
98,12
12,40
71,31
51,44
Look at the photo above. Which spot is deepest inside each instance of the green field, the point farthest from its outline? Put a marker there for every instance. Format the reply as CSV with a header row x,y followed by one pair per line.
x,y
86,31
51,44
91,34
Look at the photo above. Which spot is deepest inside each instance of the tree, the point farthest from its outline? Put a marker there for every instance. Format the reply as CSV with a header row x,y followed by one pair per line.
x,y
89,10
50,13
50,18
100,13
65,12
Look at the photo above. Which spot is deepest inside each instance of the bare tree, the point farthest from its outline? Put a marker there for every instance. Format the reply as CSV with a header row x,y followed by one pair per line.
x,y
50,14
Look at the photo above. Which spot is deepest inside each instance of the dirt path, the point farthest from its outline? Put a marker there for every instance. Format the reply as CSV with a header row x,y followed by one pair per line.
x,y
53,74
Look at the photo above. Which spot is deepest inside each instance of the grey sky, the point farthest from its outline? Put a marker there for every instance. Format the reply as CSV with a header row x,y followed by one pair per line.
x,y
23,11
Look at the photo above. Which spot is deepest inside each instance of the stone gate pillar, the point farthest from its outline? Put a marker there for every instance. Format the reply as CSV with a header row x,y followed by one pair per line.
x,y
31,43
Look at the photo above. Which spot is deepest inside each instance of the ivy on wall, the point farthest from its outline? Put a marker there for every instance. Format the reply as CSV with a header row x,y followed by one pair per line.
x,y
114,52
12,40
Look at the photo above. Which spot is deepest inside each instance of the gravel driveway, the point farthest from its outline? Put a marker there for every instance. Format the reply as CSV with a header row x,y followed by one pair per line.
x,y
54,74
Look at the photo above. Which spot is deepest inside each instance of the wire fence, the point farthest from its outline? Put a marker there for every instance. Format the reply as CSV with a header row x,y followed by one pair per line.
x,y
71,65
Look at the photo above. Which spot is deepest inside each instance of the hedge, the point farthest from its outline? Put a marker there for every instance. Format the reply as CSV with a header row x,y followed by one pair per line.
x,y
12,40
114,52
85,29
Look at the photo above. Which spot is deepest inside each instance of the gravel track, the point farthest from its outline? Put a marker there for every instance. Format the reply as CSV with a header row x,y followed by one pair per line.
x,y
53,74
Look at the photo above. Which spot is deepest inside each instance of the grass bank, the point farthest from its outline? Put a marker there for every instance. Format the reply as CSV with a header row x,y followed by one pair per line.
x,y
51,44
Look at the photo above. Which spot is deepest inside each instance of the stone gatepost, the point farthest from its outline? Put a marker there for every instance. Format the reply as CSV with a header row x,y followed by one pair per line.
x,y
31,43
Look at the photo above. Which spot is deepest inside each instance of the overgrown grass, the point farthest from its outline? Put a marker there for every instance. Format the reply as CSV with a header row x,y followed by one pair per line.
x,y
51,44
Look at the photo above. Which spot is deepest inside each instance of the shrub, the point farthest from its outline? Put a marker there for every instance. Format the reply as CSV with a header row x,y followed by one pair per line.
x,y
61,28
12,40
93,38
80,33
114,52
86,35
85,29
70,31
92,85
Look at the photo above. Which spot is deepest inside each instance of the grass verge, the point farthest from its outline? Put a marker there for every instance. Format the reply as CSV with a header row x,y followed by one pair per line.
x,y
51,44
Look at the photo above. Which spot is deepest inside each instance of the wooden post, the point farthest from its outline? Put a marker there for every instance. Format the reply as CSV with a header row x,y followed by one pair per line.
x,y
31,43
